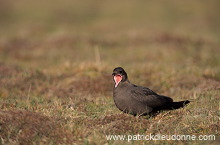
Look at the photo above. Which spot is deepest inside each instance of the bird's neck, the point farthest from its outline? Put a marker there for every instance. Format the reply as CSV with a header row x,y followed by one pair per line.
x,y
123,84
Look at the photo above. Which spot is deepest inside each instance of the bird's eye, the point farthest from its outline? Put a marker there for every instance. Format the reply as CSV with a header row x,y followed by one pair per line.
x,y
120,72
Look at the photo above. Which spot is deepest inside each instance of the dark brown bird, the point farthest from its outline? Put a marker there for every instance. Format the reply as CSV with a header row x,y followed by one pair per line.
x,y
137,100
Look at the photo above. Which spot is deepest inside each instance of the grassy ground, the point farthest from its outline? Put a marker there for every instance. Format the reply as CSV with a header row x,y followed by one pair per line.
x,y
56,60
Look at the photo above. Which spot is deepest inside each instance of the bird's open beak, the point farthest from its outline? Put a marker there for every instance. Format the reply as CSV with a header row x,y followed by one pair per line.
x,y
117,79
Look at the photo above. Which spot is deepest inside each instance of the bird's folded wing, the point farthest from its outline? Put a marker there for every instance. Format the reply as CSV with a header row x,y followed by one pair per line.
x,y
149,97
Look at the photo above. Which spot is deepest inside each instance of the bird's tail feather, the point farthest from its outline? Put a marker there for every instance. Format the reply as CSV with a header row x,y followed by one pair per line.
x,y
175,105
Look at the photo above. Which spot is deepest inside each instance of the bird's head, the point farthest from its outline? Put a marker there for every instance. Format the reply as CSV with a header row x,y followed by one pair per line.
x,y
119,75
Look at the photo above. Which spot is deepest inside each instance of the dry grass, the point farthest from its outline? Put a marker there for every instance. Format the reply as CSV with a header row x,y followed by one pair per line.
x,y
56,65
20,126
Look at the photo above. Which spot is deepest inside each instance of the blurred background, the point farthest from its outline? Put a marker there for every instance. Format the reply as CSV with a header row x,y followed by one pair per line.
x,y
120,32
